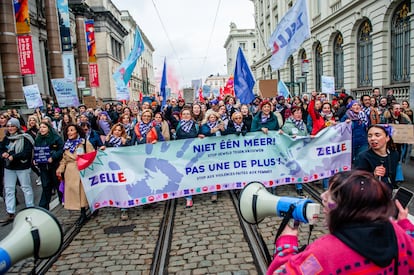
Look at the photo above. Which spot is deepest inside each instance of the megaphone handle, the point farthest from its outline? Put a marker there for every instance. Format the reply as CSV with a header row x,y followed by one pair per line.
x,y
285,220
36,243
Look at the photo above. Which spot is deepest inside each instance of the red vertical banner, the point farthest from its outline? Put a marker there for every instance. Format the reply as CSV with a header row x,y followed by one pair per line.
x,y
21,13
90,40
93,75
26,58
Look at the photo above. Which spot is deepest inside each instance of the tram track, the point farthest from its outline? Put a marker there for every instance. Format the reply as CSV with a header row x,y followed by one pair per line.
x,y
258,244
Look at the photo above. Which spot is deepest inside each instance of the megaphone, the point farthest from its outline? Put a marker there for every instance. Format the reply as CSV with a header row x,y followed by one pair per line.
x,y
36,232
256,203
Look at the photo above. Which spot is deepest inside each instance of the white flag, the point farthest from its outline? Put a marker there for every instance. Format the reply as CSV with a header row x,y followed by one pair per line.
x,y
291,31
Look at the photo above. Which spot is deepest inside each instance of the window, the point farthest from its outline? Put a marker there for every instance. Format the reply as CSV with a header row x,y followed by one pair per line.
x,y
338,61
318,66
269,70
292,70
116,49
242,46
365,54
400,43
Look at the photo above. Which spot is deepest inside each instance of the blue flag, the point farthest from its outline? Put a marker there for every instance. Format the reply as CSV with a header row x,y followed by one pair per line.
x,y
164,84
243,79
282,89
123,73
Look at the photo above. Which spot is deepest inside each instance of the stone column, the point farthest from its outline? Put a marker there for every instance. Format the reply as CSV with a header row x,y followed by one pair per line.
x,y
13,83
53,40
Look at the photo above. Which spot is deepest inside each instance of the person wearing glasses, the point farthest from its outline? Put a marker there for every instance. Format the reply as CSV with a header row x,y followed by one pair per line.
x,y
236,125
16,151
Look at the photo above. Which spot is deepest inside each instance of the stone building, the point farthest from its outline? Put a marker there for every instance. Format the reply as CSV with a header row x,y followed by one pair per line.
x,y
363,44
114,36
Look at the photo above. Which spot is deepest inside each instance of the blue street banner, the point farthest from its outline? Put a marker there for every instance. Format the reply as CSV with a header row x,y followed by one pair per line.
x,y
123,73
291,31
328,84
64,24
65,92
282,89
243,79
163,84
32,96
136,175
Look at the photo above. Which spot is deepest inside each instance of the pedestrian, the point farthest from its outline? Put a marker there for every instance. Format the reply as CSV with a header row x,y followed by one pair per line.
x,y
359,123
236,125
382,157
92,136
187,128
265,120
118,137
212,125
48,151
160,122
362,238
16,150
247,116
295,126
74,194
146,131
32,130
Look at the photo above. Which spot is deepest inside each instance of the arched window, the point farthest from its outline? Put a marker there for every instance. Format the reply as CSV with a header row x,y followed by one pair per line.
x,y
400,43
263,73
365,54
318,66
338,61
269,71
292,70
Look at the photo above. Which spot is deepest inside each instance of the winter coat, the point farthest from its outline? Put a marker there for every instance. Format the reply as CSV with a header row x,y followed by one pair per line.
x,y
271,123
75,197
330,255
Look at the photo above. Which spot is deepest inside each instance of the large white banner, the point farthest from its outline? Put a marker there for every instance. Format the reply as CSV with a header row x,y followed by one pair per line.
x,y
136,175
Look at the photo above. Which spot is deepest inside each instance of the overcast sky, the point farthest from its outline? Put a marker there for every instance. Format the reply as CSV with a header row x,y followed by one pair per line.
x,y
191,43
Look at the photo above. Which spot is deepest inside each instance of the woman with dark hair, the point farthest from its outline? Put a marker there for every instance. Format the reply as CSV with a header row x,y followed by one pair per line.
x,y
162,123
187,128
247,116
265,119
197,113
362,238
92,136
74,195
382,157
48,152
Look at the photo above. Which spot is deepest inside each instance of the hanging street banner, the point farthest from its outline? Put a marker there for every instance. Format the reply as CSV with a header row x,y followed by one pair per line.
x,y
69,70
26,57
65,92
21,13
32,96
64,24
93,75
136,175
90,39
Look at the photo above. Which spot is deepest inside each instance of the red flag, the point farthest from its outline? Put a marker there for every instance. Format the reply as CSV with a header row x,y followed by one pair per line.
x,y
85,160
140,96
221,95
229,88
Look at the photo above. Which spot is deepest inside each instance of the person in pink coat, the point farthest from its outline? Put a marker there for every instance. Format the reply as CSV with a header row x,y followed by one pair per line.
x,y
363,237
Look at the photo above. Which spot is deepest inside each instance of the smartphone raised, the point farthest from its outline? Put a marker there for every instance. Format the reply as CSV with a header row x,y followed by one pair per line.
x,y
404,196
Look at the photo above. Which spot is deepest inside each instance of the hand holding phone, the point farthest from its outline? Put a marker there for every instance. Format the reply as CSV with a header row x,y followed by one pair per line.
x,y
404,196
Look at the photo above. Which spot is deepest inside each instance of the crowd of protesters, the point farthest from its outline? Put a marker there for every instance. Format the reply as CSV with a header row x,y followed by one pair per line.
x,y
61,133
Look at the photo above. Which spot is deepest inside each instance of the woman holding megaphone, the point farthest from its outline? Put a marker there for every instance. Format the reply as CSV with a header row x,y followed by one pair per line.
x,y
363,237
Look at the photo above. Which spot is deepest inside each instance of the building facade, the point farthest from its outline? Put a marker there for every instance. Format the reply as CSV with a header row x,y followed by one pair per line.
x,y
114,32
361,43
243,38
